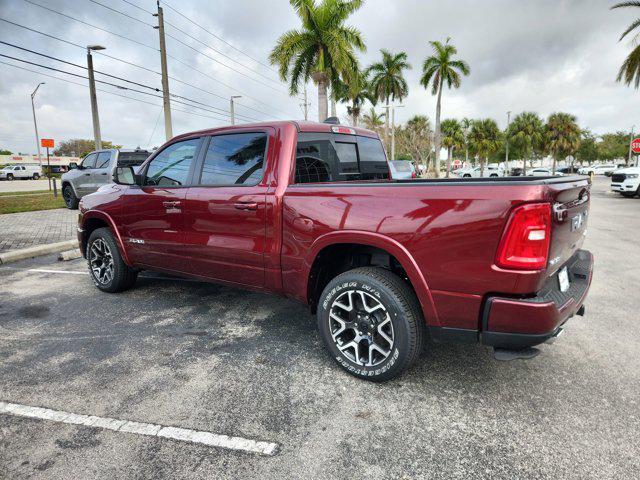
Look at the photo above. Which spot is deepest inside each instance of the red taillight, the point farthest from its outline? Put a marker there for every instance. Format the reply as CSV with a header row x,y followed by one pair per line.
x,y
414,175
525,242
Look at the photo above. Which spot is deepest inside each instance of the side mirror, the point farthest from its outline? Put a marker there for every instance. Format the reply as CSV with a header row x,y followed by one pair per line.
x,y
73,165
124,176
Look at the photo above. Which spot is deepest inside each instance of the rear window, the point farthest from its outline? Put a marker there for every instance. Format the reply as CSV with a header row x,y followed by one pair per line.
x,y
402,166
329,157
132,159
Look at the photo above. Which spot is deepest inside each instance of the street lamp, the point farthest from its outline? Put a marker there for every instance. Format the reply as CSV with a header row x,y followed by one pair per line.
x,y
233,113
393,129
506,153
92,95
35,124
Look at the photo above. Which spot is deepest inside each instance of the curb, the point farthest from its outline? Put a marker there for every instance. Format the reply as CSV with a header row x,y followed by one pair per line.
x,y
15,255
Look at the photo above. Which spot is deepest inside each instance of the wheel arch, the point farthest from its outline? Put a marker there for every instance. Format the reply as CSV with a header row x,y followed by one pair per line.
x,y
73,187
92,220
336,246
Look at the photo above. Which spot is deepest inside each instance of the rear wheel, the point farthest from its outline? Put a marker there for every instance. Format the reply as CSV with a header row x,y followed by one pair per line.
x,y
36,176
69,196
493,175
466,175
108,271
371,323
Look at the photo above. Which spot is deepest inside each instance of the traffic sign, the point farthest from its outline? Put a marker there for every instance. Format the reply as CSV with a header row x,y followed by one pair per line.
x,y
635,145
46,142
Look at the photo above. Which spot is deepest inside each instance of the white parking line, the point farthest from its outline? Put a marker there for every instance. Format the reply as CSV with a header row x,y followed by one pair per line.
x,y
74,272
149,429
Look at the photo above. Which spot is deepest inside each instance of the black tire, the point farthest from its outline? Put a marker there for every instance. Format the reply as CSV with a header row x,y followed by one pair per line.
x,y
9,176
123,277
399,304
466,175
493,175
629,194
69,196
36,176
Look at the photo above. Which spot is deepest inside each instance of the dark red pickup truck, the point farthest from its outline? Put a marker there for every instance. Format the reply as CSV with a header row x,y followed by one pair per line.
x,y
308,210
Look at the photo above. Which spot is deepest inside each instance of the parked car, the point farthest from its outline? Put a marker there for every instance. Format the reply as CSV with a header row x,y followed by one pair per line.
x,y
516,172
95,170
543,172
568,170
22,172
597,169
307,210
626,181
490,170
402,170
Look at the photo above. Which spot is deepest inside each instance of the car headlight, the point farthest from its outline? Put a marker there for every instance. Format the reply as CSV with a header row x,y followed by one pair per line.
x,y
632,175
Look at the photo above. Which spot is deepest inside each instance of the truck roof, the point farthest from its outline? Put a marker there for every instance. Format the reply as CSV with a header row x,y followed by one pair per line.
x,y
301,126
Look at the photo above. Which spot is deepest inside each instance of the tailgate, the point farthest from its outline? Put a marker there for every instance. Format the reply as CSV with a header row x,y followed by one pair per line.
x,y
570,201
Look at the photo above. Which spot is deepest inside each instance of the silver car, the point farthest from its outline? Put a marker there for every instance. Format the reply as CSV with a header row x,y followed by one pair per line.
x,y
95,170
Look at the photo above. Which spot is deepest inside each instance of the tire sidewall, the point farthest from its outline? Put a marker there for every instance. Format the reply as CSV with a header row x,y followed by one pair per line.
x,y
118,264
400,350
71,204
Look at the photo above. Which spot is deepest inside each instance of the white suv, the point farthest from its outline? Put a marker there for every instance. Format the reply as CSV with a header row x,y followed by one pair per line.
x,y
12,172
490,170
597,170
626,181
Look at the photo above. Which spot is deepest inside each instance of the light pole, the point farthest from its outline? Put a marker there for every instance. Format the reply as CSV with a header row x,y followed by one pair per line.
x,y
233,112
35,124
630,140
92,94
393,129
506,153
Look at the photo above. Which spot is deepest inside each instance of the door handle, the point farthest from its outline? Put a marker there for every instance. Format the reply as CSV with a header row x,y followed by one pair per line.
x,y
246,205
87,174
170,204
103,173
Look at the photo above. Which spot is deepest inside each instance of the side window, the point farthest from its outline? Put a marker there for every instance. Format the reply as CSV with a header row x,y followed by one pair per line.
x,y
235,159
103,159
373,161
170,168
90,161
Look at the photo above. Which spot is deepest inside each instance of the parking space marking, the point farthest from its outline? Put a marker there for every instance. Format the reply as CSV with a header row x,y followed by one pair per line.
x,y
140,428
74,272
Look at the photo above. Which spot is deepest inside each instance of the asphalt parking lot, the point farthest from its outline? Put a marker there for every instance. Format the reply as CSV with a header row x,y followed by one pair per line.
x,y
208,358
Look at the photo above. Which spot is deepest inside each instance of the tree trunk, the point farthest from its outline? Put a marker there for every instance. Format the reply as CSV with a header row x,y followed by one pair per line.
x,y
553,170
386,126
438,133
466,156
322,96
449,152
333,104
482,162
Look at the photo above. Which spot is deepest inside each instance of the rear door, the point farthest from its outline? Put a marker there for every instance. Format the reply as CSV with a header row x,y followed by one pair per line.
x,y
226,211
152,215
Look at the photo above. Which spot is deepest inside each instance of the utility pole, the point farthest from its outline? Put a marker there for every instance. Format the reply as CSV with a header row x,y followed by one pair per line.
x,y
35,124
630,140
94,100
393,130
305,105
232,109
506,153
166,104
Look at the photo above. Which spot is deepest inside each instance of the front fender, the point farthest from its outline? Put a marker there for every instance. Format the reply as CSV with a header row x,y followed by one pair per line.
x,y
104,217
387,244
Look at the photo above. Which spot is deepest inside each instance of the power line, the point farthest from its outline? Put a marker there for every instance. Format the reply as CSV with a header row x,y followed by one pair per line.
x,y
107,91
214,35
208,107
138,7
122,13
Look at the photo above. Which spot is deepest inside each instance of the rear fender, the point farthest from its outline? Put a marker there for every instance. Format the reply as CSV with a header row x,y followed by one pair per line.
x,y
387,244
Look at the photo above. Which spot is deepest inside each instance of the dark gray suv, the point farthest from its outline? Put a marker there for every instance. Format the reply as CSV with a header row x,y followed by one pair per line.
x,y
95,170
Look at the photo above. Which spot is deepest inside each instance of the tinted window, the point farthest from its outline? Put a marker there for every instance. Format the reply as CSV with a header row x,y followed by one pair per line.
x,y
373,161
103,159
132,159
402,166
170,168
236,159
90,160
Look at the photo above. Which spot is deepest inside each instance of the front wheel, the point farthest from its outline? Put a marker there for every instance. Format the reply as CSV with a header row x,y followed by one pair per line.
x,y
69,196
108,271
628,194
466,175
371,323
9,176
36,176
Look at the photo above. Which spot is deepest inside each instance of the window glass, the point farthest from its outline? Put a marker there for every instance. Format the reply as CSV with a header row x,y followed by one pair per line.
x,y
132,159
103,159
90,160
402,166
319,159
373,161
236,159
170,168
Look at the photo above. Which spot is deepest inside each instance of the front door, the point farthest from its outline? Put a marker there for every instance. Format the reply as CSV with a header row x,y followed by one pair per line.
x,y
226,213
153,214
84,181
101,174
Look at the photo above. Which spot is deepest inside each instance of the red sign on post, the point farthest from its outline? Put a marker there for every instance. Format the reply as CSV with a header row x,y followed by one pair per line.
x,y
635,145
46,142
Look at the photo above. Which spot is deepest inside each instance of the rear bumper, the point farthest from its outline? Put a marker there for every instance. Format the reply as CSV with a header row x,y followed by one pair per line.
x,y
519,323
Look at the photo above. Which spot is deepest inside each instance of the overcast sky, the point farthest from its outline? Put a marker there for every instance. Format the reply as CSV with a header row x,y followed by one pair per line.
x,y
544,55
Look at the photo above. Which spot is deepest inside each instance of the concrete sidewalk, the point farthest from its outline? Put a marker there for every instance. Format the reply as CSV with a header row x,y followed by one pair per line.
x,y
30,229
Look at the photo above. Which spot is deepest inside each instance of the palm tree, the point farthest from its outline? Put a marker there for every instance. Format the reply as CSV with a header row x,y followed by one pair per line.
x,y
452,137
440,69
322,49
526,132
562,136
484,138
387,80
357,93
373,120
630,70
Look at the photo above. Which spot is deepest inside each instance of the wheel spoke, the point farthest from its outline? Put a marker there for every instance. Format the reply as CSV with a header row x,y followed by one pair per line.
x,y
354,345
